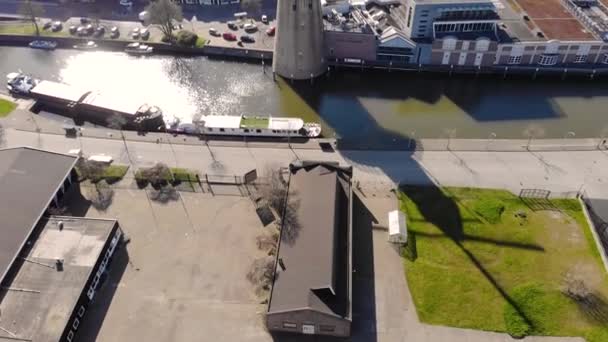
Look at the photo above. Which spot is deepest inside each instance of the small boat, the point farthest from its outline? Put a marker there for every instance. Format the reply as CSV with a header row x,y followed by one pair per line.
x,y
263,126
90,45
43,45
20,83
138,49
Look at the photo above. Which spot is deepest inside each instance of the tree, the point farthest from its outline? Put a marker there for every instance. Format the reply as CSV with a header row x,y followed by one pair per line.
x,y
163,13
31,11
157,175
251,6
90,170
101,196
261,272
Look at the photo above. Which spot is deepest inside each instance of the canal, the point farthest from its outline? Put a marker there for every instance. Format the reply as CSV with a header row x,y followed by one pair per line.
x,y
358,106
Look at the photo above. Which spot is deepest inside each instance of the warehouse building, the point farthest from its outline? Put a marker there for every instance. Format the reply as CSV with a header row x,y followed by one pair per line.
x,y
51,266
312,288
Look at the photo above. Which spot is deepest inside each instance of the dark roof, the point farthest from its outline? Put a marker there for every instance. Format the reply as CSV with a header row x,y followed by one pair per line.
x,y
314,253
29,179
41,312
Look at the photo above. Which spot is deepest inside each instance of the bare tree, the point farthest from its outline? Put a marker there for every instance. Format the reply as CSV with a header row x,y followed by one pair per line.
x,y
101,196
31,11
157,174
261,272
268,242
90,170
163,13
275,189
251,6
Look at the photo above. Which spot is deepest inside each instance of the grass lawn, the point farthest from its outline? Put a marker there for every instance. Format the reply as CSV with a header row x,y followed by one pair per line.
x,y
111,173
486,261
6,107
200,42
28,29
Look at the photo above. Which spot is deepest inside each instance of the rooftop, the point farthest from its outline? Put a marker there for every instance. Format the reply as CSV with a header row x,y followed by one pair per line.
x,y
29,178
59,90
37,304
121,104
314,251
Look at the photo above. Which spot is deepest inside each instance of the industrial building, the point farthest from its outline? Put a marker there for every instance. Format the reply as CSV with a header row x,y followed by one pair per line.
x,y
312,287
51,266
467,33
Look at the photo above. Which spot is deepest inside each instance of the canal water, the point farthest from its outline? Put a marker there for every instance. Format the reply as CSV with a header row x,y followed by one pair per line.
x,y
358,106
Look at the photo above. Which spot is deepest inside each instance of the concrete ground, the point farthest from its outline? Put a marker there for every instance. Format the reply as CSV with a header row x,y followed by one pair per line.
x,y
185,279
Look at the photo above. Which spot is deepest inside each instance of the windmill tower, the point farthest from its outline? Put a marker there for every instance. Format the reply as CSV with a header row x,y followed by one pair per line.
x,y
299,51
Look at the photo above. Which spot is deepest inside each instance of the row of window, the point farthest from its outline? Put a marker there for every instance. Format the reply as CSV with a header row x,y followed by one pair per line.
x,y
103,265
322,327
247,130
76,323
464,27
548,60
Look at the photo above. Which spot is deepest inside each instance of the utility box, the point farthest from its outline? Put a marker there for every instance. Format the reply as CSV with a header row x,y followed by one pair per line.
x,y
397,227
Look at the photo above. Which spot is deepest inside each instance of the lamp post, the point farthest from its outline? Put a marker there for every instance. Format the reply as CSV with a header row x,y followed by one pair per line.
x,y
491,138
568,135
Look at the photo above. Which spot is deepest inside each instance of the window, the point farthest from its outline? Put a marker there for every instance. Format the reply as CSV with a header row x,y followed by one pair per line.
x,y
293,7
580,59
605,59
70,336
423,21
514,60
449,44
81,311
289,325
547,60
246,130
327,328
222,130
76,323
209,129
258,131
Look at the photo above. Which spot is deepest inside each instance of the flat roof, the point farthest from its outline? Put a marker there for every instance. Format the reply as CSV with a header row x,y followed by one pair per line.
x,y
554,20
29,179
314,249
285,123
221,121
121,104
59,90
39,311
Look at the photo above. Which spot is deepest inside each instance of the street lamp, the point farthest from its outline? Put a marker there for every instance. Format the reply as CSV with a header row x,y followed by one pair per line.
x,y
568,135
490,139
451,133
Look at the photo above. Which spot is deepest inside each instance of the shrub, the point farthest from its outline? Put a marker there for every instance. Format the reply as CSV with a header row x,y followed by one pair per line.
x,y
490,209
186,38
157,175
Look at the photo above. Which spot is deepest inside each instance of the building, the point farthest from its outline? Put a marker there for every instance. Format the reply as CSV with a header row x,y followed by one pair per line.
x,y
51,266
312,287
299,50
495,35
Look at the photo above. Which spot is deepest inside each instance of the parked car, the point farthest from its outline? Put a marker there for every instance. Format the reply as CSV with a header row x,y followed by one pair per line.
x,y
57,26
85,20
247,39
135,33
249,27
213,32
47,25
90,29
271,31
99,31
229,36
265,19
72,29
114,33
143,16
144,33
81,31
232,25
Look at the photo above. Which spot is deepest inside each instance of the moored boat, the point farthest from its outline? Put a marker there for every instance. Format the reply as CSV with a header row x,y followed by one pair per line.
x,y
262,126
138,49
90,45
20,83
43,44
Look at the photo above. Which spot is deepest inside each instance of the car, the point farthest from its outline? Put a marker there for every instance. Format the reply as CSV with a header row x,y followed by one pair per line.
x,y
47,25
247,39
144,33
81,31
249,27
85,20
143,16
89,28
135,33
114,32
265,19
232,25
213,32
99,31
229,36
72,29
271,31
57,26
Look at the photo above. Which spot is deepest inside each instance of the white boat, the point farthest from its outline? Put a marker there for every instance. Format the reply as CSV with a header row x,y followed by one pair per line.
x,y
90,45
262,126
43,45
20,83
138,49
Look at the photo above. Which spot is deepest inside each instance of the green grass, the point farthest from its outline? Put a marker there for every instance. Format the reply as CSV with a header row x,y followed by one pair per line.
x,y
183,175
254,122
114,173
200,42
27,29
6,107
475,268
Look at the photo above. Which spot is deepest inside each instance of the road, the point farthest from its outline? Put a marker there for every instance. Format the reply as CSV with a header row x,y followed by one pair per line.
x,y
377,171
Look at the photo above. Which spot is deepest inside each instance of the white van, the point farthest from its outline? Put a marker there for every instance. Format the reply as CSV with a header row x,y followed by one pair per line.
x,y
249,27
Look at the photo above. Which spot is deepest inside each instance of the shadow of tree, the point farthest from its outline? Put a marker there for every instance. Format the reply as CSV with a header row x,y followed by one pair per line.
x,y
594,307
163,194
